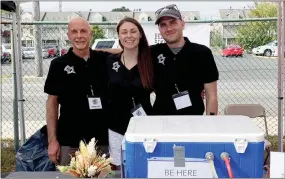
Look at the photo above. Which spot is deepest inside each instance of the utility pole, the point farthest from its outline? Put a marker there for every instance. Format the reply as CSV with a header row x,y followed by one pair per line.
x,y
60,43
60,6
37,40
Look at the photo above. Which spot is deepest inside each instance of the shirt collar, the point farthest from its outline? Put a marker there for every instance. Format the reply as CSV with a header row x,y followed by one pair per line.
x,y
76,58
185,46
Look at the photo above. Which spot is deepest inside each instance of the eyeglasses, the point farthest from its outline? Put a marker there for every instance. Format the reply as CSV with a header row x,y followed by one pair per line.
x,y
169,7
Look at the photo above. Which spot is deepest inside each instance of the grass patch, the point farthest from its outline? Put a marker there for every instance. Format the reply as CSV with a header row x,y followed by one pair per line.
x,y
274,142
8,156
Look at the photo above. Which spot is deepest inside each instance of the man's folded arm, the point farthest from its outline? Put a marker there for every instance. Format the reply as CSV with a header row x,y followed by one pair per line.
x,y
110,50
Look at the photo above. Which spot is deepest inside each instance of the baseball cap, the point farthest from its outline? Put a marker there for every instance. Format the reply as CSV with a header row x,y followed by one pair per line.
x,y
167,11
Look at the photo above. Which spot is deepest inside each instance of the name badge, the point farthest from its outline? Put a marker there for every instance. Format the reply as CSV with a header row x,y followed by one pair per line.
x,y
138,111
182,100
94,103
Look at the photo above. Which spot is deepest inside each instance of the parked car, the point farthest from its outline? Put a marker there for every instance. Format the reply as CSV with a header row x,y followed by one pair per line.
x,y
30,52
64,50
45,53
105,43
6,48
5,53
266,50
53,52
232,50
5,57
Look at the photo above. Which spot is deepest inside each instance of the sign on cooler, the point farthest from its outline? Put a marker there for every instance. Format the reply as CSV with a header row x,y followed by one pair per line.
x,y
160,167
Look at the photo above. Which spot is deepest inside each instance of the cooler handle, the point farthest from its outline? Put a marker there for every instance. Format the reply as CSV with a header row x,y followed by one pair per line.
x,y
179,156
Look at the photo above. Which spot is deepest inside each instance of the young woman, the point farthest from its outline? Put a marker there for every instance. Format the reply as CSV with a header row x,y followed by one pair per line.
x,y
130,82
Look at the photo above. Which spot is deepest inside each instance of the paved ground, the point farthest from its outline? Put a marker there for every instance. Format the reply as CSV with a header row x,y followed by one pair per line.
x,y
247,79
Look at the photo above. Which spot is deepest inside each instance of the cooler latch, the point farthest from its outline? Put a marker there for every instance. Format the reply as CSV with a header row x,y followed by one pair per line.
x,y
179,156
240,145
149,145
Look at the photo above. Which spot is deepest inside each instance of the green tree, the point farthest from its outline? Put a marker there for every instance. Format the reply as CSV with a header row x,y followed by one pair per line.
x,y
4,12
216,38
7,12
121,9
98,33
253,34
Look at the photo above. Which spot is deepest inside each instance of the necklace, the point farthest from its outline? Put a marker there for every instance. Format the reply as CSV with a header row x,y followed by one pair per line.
x,y
124,60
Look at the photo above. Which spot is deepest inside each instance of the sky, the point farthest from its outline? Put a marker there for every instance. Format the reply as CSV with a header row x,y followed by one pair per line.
x,y
207,10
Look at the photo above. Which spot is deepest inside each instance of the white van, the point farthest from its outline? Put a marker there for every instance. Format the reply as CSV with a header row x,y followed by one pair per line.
x,y
105,43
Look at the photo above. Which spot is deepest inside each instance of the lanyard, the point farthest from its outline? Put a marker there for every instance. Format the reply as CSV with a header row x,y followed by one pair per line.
x,y
91,90
129,79
170,73
89,79
134,103
177,88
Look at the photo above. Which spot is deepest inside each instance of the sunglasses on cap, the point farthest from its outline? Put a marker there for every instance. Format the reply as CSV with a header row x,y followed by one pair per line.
x,y
169,7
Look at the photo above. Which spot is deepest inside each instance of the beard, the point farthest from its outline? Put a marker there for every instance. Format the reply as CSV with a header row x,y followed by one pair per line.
x,y
174,39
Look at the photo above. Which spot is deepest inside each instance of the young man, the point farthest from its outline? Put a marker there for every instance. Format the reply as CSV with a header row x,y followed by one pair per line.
x,y
77,83
182,70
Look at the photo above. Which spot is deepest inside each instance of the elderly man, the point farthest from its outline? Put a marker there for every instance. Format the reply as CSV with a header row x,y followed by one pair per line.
x,y
76,87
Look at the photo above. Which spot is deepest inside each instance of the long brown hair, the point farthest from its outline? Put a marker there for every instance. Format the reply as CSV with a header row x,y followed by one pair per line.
x,y
145,65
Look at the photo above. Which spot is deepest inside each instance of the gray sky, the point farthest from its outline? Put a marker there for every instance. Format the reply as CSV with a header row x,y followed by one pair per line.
x,y
206,9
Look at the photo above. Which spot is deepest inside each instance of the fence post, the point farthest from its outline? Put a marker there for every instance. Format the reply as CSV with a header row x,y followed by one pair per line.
x,y
15,88
61,40
282,73
280,29
19,76
38,40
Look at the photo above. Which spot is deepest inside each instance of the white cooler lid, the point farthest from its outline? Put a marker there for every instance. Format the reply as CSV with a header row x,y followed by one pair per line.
x,y
219,128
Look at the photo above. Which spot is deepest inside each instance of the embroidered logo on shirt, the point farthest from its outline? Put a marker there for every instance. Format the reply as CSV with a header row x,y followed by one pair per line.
x,y
69,69
161,59
116,66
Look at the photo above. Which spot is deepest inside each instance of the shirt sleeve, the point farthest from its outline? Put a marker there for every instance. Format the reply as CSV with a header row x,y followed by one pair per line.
x,y
101,56
53,83
105,55
210,68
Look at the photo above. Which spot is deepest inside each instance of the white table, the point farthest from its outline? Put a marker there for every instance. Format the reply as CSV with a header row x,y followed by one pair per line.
x,y
40,175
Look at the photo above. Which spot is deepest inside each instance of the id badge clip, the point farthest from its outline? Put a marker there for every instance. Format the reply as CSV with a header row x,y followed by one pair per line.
x,y
94,102
138,110
181,99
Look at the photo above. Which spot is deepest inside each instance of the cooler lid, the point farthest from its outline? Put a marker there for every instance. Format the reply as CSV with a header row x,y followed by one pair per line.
x,y
223,128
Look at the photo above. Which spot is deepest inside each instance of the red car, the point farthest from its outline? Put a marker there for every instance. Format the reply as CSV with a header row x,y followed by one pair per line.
x,y
232,50
63,51
53,52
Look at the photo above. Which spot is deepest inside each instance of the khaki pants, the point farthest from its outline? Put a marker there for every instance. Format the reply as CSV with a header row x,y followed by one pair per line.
x,y
66,151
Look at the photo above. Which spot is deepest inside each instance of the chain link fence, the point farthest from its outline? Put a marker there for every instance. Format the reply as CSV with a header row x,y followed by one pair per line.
x,y
245,77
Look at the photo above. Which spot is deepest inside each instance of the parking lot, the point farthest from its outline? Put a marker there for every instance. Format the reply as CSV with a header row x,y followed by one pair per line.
x,y
247,79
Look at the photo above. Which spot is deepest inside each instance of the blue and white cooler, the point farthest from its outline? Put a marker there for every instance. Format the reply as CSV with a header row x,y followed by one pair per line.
x,y
193,147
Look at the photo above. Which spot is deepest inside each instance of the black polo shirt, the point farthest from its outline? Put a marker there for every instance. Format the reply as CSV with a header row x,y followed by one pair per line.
x,y
124,84
71,79
190,69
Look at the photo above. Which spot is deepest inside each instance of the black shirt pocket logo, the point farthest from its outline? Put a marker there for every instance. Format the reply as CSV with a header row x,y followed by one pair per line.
x,y
69,69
